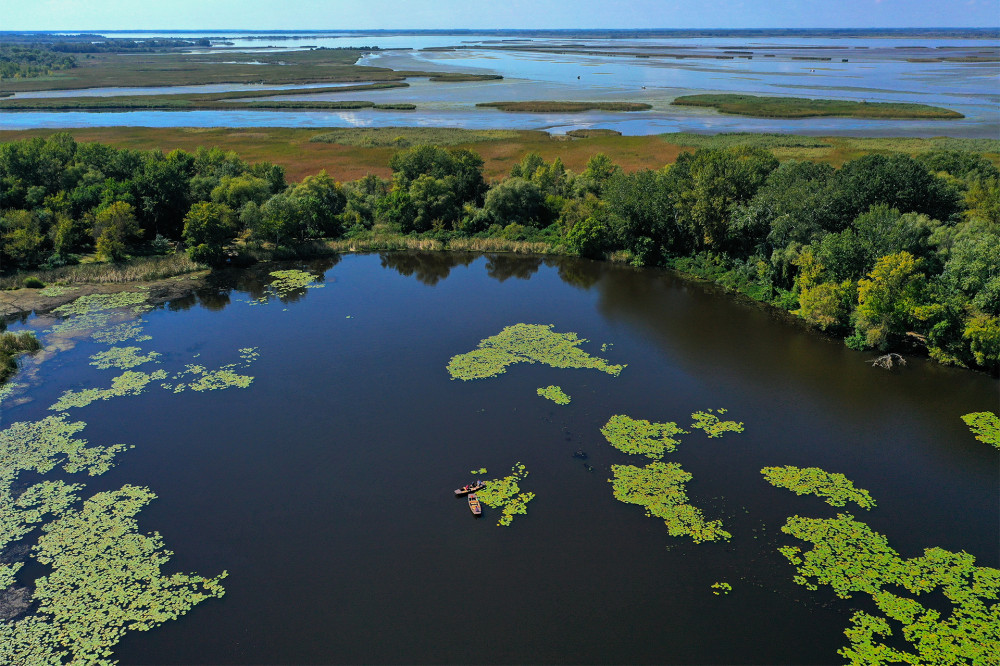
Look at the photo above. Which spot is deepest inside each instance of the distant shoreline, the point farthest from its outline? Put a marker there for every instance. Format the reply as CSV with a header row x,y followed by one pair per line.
x,y
618,33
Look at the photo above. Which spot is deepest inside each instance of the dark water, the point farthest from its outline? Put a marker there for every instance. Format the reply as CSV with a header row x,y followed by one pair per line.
x,y
325,488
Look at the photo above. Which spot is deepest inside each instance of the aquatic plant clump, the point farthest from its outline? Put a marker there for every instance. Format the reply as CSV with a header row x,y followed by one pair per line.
x,y
852,558
505,493
130,382
659,488
39,446
123,358
721,588
200,378
836,489
286,283
555,394
95,311
641,437
129,330
526,343
56,290
90,303
105,580
985,426
710,423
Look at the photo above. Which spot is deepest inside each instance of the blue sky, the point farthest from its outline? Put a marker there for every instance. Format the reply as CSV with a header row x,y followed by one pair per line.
x,y
390,14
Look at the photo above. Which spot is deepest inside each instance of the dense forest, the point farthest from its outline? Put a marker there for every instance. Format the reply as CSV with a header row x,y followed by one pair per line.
x,y
890,252
24,62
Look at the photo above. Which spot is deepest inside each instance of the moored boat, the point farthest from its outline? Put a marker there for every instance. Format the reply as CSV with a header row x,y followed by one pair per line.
x,y
471,488
474,504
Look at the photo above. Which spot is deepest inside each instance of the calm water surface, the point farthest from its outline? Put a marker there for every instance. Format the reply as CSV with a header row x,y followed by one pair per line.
x,y
325,488
870,69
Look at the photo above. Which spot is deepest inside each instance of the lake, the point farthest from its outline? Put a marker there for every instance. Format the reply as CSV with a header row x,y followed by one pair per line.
x,y
655,70
325,487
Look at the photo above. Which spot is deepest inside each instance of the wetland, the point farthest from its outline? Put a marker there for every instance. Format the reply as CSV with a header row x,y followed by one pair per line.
x,y
293,434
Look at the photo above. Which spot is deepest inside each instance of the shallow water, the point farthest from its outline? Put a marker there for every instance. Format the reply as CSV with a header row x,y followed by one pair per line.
x,y
325,488
876,70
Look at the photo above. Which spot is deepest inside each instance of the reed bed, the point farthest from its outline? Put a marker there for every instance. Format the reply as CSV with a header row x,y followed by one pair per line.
x,y
142,269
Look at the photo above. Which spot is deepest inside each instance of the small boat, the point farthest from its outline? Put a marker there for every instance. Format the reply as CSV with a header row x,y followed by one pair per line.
x,y
471,488
474,505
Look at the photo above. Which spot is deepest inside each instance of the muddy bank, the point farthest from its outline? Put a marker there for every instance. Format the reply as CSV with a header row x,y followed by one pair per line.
x,y
22,302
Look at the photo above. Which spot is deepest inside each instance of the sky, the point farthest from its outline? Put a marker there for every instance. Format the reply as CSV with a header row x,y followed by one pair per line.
x,y
479,14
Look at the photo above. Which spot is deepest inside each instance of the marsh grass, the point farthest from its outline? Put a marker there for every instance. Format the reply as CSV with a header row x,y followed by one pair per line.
x,y
544,106
13,345
404,137
801,107
139,269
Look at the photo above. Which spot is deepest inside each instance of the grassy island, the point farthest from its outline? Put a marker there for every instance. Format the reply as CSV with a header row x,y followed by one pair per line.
x,y
802,107
543,106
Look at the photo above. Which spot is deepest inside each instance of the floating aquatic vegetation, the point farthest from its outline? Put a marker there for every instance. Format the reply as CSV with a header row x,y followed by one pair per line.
x,y
481,470
985,426
200,378
710,423
505,494
286,283
19,516
555,394
852,558
7,390
39,446
96,311
130,382
640,436
721,588
836,489
105,580
89,303
129,330
659,488
57,290
526,343
123,358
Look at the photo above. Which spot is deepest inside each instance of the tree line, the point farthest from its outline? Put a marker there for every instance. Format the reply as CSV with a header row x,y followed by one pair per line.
x,y
890,252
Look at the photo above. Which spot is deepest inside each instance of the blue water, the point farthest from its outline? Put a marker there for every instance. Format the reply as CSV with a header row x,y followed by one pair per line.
x,y
876,70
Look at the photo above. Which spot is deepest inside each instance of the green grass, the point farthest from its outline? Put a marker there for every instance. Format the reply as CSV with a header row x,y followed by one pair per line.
x,y
543,106
240,99
801,107
730,139
589,133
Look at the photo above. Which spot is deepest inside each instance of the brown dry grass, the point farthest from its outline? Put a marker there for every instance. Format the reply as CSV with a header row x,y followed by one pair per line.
x,y
292,148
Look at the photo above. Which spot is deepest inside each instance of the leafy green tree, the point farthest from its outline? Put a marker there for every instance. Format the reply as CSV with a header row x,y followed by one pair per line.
x,y
397,209
116,230
435,202
464,166
983,334
707,184
982,201
897,181
208,227
236,191
600,169
589,238
23,240
887,298
641,215
517,201
973,268
281,220
321,200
